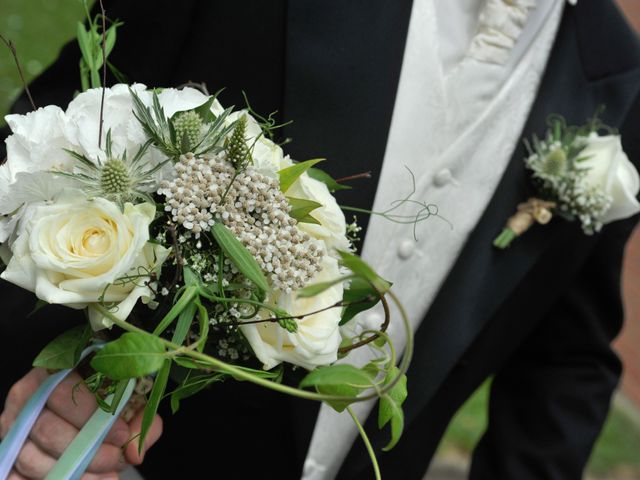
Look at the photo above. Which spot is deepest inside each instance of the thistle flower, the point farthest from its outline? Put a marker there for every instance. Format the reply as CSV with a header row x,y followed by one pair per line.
x,y
555,163
188,126
238,153
183,133
118,179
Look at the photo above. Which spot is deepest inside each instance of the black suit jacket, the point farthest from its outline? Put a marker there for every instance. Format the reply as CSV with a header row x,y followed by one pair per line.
x,y
539,316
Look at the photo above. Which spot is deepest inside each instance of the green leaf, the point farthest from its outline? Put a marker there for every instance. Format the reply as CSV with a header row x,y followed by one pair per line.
x,y
204,111
359,267
274,374
191,386
40,304
203,321
110,41
239,255
157,392
133,355
340,390
118,393
360,295
84,41
318,288
187,297
390,409
301,208
190,277
64,351
184,324
289,175
325,178
341,374
189,363
110,38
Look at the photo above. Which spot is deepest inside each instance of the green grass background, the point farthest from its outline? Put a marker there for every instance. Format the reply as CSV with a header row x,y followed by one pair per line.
x,y
39,28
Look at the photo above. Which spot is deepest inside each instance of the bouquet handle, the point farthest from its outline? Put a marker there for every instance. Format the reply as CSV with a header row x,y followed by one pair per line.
x,y
79,454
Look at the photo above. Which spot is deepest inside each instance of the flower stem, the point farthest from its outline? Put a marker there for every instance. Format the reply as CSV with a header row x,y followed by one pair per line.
x,y
367,443
505,238
239,373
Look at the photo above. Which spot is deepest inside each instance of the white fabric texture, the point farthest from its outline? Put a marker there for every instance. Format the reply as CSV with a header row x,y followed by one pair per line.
x,y
500,26
456,131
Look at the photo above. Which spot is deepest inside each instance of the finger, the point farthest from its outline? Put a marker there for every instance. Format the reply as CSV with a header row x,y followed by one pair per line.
x,y
72,401
119,434
13,475
53,435
18,395
155,431
101,476
33,462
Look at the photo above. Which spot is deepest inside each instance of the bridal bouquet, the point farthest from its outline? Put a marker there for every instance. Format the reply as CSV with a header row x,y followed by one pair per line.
x,y
198,251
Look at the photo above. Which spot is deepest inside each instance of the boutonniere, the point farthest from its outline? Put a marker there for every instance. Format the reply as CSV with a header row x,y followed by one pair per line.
x,y
580,174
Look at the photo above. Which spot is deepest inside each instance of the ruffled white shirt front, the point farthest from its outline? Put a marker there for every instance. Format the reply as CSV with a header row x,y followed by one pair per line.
x,y
501,23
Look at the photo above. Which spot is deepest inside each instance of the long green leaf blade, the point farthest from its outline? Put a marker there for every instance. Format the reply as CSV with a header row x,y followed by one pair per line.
x,y
239,255
157,392
289,175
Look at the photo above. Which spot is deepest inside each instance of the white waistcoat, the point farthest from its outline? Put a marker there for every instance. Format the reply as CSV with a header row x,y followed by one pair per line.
x,y
455,129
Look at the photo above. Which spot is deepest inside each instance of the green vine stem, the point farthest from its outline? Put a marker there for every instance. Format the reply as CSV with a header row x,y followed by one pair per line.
x,y
367,443
505,238
219,365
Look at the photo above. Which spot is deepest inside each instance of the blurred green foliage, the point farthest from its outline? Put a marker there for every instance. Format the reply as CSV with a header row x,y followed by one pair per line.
x,y
617,451
38,29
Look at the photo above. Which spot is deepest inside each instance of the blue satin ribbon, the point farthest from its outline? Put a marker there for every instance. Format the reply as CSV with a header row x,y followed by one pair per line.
x,y
84,447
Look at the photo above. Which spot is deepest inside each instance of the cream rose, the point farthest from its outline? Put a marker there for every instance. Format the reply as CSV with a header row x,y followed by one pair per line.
x,y
609,168
318,337
332,228
76,252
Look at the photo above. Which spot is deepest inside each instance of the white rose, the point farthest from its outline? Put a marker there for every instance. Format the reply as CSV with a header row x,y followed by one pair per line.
x,y
332,228
609,168
40,139
174,100
83,117
37,144
318,337
76,252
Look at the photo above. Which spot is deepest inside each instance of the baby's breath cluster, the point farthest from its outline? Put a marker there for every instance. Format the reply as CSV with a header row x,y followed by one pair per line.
x,y
209,189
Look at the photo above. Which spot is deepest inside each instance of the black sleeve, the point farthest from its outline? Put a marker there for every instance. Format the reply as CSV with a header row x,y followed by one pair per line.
x,y
549,401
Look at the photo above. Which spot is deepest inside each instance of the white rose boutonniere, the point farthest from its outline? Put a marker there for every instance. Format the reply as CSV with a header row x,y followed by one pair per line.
x,y
580,175
81,252
608,168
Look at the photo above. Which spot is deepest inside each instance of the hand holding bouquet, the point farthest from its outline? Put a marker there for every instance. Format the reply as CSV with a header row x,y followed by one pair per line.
x,y
194,245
